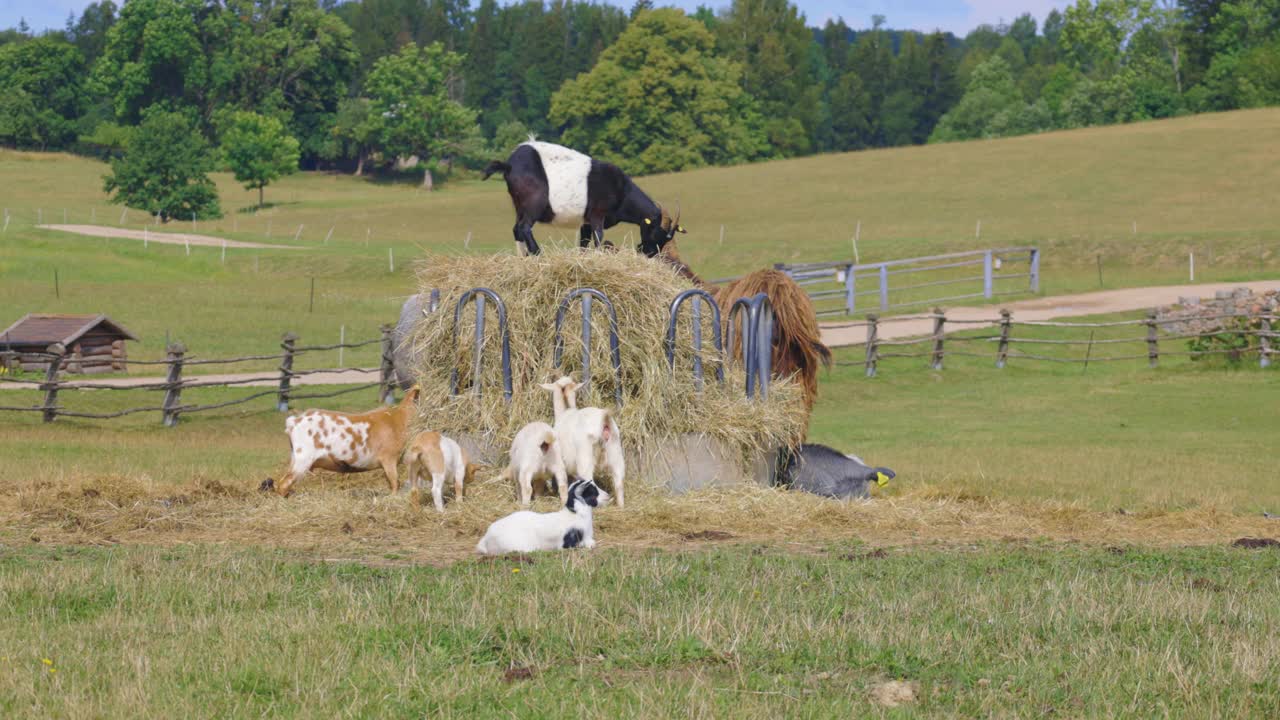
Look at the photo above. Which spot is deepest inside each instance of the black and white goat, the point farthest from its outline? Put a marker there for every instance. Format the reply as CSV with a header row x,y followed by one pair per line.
x,y
825,471
527,531
553,184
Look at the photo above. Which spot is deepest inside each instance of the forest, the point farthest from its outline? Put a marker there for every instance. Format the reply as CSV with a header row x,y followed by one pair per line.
x,y
354,86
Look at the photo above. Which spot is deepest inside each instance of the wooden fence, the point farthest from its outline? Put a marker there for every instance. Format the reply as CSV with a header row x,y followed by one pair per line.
x,y
835,287
176,361
1257,330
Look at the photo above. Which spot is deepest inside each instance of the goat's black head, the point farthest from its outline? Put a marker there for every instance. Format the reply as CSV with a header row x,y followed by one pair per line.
x,y
659,230
585,492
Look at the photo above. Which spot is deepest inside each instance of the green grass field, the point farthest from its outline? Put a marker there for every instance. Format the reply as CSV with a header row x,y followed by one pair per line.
x,y
1201,184
755,632
1058,540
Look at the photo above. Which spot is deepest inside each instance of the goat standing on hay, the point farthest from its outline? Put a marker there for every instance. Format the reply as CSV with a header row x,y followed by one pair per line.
x,y
553,184
346,443
441,457
527,531
587,436
535,454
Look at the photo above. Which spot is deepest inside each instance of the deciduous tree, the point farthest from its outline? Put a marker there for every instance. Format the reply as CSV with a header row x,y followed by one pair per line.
x,y
165,170
258,150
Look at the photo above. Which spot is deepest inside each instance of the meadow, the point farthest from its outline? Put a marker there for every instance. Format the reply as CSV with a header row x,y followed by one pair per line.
x,y
1199,184
1060,539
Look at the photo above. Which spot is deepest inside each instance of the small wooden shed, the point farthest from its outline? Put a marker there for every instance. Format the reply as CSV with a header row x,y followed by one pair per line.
x,y
94,343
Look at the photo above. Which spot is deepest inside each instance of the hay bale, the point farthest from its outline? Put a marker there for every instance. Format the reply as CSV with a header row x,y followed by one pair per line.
x,y
659,406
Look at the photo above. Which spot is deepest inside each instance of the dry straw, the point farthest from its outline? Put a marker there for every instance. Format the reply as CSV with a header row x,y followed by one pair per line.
x,y
354,517
657,402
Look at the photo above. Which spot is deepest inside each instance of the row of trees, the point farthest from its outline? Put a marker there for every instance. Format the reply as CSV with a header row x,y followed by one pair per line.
x,y
652,89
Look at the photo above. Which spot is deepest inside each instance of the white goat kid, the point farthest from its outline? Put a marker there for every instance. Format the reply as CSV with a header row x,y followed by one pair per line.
x,y
588,436
442,457
528,531
535,455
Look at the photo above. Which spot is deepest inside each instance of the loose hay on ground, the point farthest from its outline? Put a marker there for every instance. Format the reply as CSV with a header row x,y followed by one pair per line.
x,y
657,403
343,517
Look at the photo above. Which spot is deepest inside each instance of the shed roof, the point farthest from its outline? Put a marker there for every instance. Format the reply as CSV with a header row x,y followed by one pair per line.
x,y
46,329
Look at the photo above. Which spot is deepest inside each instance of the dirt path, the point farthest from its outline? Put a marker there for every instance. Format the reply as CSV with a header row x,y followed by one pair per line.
x,y
164,238
1043,308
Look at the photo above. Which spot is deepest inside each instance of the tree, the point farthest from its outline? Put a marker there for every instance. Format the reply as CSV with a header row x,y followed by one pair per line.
x,y
660,100
411,109
45,75
164,170
991,93
157,53
89,33
258,150
769,40
290,60
354,133
1094,34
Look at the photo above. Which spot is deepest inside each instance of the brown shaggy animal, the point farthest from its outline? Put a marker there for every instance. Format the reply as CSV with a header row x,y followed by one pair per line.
x,y
797,341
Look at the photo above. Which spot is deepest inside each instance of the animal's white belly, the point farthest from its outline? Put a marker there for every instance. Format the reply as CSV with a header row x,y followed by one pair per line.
x,y
567,172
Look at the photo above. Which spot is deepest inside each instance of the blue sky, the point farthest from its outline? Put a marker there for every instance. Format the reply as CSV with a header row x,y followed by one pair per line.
x,y
958,16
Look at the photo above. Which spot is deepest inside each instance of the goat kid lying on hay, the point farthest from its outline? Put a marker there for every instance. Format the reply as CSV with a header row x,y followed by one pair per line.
x,y
658,405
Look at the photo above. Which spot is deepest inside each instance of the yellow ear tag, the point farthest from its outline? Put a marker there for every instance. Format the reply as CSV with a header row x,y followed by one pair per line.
x,y
882,479
647,221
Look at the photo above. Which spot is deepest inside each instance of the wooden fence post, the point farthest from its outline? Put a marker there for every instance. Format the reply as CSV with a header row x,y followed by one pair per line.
x,y
1006,325
872,351
173,393
939,322
51,381
1035,270
1264,335
388,377
1153,340
286,371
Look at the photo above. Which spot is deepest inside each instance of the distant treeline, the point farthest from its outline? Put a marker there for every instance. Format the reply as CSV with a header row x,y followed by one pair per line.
x,y
653,89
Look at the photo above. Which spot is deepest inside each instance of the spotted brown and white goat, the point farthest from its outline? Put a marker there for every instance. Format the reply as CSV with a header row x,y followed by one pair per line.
x,y
346,442
554,184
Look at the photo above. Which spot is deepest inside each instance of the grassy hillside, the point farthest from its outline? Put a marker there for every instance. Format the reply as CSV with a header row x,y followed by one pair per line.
x,y
1204,183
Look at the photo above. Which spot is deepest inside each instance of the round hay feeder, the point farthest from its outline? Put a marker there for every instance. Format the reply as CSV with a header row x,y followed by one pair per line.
x,y
603,319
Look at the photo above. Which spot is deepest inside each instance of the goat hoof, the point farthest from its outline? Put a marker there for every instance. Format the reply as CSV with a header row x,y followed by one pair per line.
x,y
267,485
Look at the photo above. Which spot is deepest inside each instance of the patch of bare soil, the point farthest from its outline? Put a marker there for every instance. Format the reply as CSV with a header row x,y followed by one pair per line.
x,y
894,693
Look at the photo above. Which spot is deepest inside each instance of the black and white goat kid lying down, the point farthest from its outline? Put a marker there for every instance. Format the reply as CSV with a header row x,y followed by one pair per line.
x,y
554,184
825,471
527,531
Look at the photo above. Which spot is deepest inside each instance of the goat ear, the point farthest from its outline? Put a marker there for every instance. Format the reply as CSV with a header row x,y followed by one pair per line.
x,y
549,387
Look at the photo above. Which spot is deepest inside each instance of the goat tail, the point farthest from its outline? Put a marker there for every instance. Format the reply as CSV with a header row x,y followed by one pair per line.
x,y
548,440
608,428
496,166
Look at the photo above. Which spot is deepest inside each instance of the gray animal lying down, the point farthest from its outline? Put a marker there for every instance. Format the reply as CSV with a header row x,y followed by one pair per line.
x,y
823,471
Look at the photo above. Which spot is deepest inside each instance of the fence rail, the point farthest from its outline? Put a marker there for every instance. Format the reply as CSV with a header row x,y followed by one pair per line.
x,y
176,361
1256,332
843,280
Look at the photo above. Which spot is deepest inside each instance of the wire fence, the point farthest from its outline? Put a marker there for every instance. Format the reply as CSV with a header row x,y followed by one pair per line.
x,y
172,406
1236,335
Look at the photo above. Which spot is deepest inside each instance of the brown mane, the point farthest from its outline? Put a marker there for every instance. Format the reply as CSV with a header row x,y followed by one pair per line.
x,y
797,340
